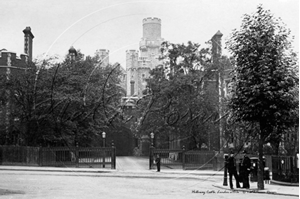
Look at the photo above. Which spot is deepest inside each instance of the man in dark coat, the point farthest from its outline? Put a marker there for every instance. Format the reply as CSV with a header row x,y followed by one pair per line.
x,y
157,162
245,170
231,167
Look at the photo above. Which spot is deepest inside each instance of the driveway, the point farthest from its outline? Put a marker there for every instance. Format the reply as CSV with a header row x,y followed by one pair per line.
x,y
132,163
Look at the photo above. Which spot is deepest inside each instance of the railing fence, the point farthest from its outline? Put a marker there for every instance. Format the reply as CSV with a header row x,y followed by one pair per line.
x,y
92,157
284,168
182,159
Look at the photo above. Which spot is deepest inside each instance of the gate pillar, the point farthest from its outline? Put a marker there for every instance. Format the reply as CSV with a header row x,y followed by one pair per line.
x,y
151,157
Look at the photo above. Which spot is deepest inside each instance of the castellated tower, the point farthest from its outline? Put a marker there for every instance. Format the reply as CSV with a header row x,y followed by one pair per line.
x,y
104,56
131,67
138,67
151,41
151,28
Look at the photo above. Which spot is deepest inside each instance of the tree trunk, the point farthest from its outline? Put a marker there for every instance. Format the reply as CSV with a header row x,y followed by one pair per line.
x,y
260,171
260,174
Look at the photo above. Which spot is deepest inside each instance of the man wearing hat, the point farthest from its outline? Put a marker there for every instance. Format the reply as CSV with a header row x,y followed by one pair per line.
x,y
245,170
231,167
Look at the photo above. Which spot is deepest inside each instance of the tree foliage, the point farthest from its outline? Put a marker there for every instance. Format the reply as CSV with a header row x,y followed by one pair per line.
x,y
178,101
73,101
265,77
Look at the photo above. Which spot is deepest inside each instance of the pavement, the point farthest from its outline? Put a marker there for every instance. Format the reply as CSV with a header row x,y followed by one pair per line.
x,y
128,167
107,172
273,189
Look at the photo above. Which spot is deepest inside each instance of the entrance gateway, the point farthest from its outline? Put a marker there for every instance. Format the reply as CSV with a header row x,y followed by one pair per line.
x,y
182,159
84,157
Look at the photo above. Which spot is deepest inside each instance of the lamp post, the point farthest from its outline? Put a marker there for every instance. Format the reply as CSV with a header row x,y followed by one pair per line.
x,y
152,137
151,151
103,136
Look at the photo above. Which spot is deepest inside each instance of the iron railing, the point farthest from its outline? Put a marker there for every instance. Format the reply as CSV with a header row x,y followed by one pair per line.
x,y
284,168
182,159
19,155
58,156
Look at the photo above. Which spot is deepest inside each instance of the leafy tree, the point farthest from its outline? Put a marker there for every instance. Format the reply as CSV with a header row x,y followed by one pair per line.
x,y
67,102
25,107
88,97
177,101
265,77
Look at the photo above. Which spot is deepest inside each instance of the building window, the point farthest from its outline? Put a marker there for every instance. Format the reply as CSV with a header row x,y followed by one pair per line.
x,y
132,87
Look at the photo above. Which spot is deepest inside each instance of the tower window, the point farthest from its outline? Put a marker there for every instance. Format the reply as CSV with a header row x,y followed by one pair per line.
x,y
132,88
143,77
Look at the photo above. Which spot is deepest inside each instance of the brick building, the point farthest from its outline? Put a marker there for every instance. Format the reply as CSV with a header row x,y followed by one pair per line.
x,y
13,65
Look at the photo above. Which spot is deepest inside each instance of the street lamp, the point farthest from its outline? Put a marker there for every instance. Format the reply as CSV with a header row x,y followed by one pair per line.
x,y
151,151
152,137
103,136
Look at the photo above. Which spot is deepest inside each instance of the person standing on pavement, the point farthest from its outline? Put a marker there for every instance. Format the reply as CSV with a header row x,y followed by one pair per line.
x,y
245,169
231,167
157,162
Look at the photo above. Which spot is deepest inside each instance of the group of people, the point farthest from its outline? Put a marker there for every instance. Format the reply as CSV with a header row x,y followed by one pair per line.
x,y
244,171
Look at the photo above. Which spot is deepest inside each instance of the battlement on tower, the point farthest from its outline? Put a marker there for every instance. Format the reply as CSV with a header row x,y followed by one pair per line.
x,y
131,52
143,59
104,50
104,56
151,20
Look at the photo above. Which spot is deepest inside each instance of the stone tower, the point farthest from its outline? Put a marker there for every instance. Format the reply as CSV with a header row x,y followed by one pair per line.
x,y
28,37
104,56
151,41
138,67
131,70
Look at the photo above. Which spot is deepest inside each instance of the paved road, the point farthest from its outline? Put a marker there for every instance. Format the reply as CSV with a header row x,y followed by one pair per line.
x,y
132,179
52,185
132,163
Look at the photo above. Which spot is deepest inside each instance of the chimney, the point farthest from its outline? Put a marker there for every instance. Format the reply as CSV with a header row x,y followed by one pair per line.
x,y
28,37
217,45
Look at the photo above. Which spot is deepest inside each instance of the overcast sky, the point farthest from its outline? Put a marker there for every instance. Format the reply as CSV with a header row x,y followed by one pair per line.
x,y
116,25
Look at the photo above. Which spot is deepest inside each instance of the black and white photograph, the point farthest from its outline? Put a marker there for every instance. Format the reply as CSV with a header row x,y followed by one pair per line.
x,y
149,99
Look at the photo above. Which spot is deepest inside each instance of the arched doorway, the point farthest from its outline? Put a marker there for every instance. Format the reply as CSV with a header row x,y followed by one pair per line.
x,y
124,142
